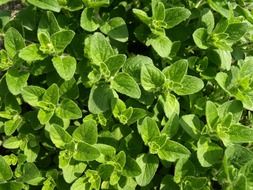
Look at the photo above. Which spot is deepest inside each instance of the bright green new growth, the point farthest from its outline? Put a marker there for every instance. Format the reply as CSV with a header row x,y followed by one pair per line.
x,y
125,95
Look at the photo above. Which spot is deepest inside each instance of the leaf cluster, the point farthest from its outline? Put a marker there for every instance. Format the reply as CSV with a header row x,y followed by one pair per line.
x,y
124,95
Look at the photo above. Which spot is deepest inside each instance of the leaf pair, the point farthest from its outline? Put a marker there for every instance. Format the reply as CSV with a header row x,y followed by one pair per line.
x,y
237,82
161,19
159,143
222,36
47,102
115,28
172,77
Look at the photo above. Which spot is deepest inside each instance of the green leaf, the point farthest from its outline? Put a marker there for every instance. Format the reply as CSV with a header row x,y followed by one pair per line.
x,y
28,17
107,152
246,171
120,159
220,6
87,132
51,95
137,114
195,183
45,115
60,40
221,79
152,79
148,129
158,10
148,164
118,107
189,85
5,62
88,20
74,5
59,136
221,57
11,185
31,53
134,64
184,167
237,155
46,45
116,28
235,134
208,153
85,152
171,127
69,89
192,125
32,94
212,115
236,31
73,170
97,103
68,109
12,125
176,15
115,63
125,84
98,48
234,107
16,80
131,168
161,44
207,19
142,16
172,151
51,5
200,38
11,104
65,66
31,174
48,24
105,171
176,71
170,105
12,143
168,183
156,143
97,3
5,170
79,183
13,42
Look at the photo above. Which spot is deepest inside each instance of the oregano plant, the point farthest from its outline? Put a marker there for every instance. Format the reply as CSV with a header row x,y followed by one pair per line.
x,y
125,95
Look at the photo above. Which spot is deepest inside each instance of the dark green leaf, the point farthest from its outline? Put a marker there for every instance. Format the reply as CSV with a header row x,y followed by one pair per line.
x,y
97,103
148,164
176,15
116,28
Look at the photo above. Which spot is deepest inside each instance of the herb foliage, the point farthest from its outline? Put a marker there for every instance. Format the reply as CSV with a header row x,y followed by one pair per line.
x,y
124,95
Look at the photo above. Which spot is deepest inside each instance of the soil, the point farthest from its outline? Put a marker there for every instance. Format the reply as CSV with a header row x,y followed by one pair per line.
x,y
13,6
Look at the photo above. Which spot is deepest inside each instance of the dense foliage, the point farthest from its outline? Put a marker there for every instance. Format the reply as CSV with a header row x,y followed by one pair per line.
x,y
126,94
